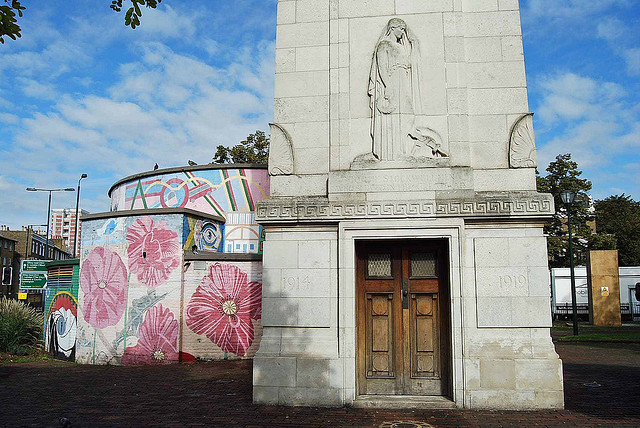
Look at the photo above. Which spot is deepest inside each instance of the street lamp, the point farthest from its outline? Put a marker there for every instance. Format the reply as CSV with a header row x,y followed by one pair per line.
x,y
568,196
34,189
75,238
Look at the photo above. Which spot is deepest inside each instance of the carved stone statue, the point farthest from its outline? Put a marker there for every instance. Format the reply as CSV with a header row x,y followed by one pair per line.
x,y
395,98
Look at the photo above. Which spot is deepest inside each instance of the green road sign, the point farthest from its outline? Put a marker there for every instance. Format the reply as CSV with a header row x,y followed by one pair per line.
x,y
33,274
34,265
33,280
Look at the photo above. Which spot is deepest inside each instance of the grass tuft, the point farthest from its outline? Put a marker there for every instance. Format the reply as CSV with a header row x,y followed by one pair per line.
x,y
21,328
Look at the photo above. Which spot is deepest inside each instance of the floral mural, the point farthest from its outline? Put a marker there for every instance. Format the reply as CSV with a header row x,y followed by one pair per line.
x,y
158,339
154,251
223,307
134,286
103,280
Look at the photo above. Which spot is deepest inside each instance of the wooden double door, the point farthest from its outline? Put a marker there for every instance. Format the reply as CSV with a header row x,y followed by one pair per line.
x,y
403,318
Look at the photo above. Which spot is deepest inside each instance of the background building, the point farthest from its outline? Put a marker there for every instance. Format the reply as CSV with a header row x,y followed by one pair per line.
x,y
63,225
9,261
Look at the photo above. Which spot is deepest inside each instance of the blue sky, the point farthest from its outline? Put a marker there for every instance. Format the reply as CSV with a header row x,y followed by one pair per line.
x,y
82,93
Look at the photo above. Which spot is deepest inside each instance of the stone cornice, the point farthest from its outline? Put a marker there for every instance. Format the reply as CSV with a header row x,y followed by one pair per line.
x,y
519,205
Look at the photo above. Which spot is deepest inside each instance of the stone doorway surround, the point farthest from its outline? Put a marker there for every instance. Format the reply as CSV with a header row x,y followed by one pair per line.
x,y
380,230
502,353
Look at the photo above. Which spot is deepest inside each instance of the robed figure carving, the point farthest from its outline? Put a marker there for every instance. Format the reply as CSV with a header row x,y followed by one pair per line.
x,y
395,98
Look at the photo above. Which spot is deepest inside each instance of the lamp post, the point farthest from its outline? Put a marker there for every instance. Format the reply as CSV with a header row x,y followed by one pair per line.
x,y
34,189
75,238
568,196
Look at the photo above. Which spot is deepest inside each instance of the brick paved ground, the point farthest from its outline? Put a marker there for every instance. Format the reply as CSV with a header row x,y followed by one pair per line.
x,y
219,394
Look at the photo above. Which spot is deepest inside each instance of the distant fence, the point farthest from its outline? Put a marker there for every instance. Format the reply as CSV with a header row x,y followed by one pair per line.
x,y
564,311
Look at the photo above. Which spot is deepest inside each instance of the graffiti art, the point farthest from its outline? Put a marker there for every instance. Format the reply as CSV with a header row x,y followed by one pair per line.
x,y
215,191
62,326
154,251
103,280
204,235
158,339
223,307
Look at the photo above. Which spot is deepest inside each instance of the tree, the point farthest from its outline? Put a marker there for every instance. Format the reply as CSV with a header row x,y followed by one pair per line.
x,y
619,215
255,149
11,10
563,174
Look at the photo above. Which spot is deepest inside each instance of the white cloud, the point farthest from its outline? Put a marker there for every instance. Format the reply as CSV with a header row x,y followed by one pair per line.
x,y
632,58
167,22
611,29
569,96
571,9
4,183
165,107
52,61
9,119
36,89
593,120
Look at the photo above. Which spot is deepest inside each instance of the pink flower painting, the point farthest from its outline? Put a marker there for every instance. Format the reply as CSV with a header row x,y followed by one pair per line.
x,y
223,306
154,251
103,279
158,339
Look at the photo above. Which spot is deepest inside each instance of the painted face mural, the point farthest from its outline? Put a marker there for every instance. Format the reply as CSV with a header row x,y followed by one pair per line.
x,y
103,279
158,339
208,236
223,307
62,325
154,251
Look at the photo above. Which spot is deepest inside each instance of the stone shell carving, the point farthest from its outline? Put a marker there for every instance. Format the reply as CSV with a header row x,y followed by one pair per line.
x,y
280,151
522,143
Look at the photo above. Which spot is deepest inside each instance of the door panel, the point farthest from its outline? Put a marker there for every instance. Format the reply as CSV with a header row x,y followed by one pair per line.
x,y
380,329
399,322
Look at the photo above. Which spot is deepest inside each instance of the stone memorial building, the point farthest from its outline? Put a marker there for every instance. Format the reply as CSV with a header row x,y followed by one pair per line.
x,y
404,257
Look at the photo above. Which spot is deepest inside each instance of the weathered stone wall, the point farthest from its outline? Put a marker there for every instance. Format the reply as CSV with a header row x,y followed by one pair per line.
x,y
299,362
473,89
404,120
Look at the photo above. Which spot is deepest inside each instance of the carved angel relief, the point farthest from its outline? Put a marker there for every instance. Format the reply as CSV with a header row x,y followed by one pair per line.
x,y
280,151
522,144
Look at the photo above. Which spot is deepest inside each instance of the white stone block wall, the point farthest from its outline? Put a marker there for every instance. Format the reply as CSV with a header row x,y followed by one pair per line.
x,y
298,361
502,353
474,84
510,361
473,92
302,92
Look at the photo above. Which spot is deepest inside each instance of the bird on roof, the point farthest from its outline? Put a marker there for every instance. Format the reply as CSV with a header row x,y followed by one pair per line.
x,y
155,167
192,163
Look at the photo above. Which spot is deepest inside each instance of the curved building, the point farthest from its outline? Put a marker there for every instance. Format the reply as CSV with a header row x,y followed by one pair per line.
x,y
174,271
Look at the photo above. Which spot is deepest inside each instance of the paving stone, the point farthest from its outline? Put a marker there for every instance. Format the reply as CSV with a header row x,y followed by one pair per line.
x,y
219,394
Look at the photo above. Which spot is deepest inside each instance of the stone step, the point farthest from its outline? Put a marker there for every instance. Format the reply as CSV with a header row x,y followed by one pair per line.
x,y
404,402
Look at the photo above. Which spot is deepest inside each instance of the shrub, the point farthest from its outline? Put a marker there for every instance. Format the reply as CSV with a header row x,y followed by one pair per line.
x,y
21,327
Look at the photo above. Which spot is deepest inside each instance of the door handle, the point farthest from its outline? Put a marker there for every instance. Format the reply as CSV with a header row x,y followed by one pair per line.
x,y
405,293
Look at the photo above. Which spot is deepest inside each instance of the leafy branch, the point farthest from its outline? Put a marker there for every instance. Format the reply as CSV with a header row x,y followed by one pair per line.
x,y
8,21
134,13
11,10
